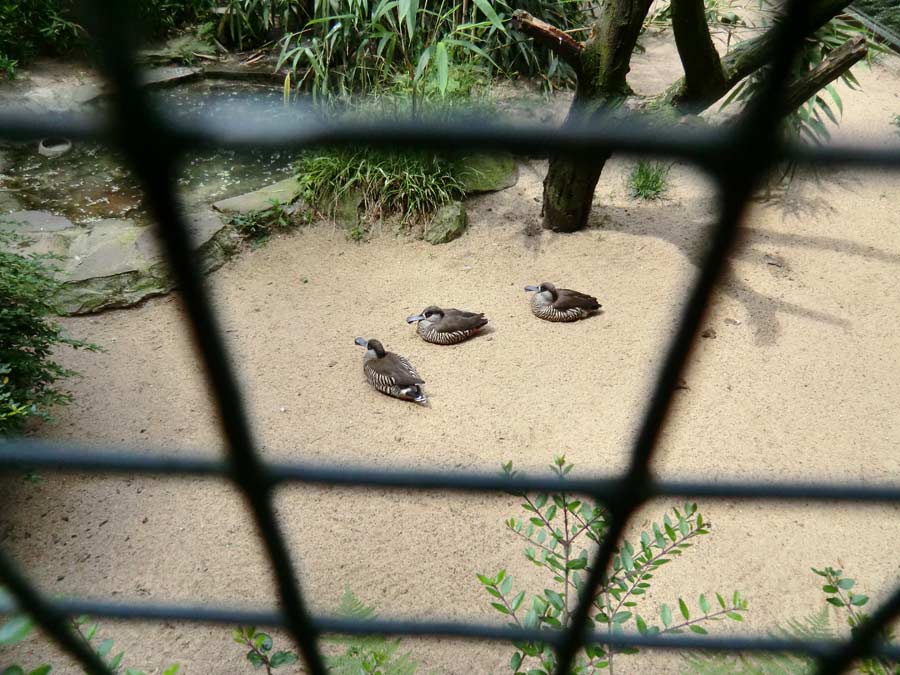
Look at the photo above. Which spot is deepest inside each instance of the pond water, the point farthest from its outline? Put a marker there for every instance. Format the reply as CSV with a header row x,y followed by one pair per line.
x,y
91,183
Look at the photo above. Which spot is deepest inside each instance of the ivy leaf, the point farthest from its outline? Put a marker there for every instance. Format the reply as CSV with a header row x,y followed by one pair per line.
x,y
837,602
684,609
721,600
641,624
263,642
515,661
517,601
621,617
828,588
859,600
699,630
255,659
846,584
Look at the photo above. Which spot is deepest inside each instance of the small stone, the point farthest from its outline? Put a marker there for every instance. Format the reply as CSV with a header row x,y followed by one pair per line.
x,y
732,322
145,520
332,364
709,333
283,409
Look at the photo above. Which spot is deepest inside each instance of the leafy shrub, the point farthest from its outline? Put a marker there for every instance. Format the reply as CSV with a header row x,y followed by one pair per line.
x,y
363,655
29,27
815,627
559,528
410,185
648,180
28,336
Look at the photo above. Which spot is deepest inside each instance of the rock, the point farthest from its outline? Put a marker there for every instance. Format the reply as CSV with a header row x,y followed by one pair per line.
x,y
26,222
709,333
115,263
448,223
488,173
346,211
286,191
169,75
181,48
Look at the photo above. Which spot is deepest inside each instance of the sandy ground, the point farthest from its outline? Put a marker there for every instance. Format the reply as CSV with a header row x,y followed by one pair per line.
x,y
799,382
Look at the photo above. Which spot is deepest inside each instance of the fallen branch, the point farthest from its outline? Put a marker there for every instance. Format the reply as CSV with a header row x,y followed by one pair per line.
x,y
832,67
557,41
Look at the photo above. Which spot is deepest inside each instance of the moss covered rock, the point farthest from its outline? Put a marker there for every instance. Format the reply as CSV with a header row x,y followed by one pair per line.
x,y
448,223
488,173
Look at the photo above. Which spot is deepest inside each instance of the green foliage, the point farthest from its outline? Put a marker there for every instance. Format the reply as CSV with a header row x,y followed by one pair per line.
x,y
248,23
257,226
896,122
28,337
648,180
810,121
559,528
367,654
815,627
362,655
261,646
19,627
410,185
29,27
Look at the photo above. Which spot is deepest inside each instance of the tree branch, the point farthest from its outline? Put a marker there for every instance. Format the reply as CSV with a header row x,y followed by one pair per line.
x,y
703,73
832,67
560,43
748,57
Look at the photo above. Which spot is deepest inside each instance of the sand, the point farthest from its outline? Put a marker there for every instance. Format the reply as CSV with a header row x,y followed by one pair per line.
x,y
798,382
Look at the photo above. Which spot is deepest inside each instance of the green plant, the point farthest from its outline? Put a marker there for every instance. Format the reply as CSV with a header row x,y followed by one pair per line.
x,y
259,225
896,122
248,23
363,655
356,48
20,626
559,528
28,336
815,627
8,66
648,180
260,653
411,185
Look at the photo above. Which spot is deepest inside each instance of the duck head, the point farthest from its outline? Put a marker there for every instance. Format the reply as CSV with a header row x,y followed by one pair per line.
x,y
373,346
546,288
429,314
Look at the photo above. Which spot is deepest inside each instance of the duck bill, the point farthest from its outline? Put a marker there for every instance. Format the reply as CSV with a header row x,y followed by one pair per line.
x,y
531,289
414,318
362,342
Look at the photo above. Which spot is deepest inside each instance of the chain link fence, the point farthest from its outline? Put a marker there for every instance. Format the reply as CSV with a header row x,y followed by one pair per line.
x,y
737,158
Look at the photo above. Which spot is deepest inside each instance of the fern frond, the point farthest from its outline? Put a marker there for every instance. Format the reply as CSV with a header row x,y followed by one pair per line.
x,y
352,607
813,627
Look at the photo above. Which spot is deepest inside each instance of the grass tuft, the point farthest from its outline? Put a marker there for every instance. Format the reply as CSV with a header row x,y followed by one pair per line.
x,y
649,180
410,185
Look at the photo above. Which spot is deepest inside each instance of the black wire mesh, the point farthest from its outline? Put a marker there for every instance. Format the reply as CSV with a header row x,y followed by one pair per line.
x,y
152,143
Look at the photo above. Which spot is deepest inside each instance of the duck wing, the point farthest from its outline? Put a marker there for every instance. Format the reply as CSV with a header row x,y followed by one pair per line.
x,y
458,320
569,299
397,369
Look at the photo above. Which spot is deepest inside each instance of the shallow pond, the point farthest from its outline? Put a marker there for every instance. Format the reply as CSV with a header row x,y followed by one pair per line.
x,y
91,183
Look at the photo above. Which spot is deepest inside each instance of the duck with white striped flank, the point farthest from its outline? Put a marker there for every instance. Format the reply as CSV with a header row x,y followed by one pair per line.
x,y
390,373
447,326
561,304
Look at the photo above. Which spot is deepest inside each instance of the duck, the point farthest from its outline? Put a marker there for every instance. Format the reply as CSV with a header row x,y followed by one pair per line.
x,y
561,304
447,326
390,373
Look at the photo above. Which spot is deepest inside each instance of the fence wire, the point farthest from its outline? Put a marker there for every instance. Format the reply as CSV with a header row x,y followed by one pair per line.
x,y
153,142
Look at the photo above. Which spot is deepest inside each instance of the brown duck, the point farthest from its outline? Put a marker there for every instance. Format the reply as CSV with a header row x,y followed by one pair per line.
x,y
390,373
447,326
561,304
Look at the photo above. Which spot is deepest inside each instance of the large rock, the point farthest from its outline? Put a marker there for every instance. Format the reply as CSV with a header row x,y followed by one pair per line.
x,y
114,263
448,223
286,191
488,173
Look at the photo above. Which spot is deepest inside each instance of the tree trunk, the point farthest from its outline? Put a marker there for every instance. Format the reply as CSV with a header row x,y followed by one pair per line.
x,y
604,63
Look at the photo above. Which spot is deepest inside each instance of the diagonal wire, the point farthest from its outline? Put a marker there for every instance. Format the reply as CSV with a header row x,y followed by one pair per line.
x,y
49,617
152,156
756,138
